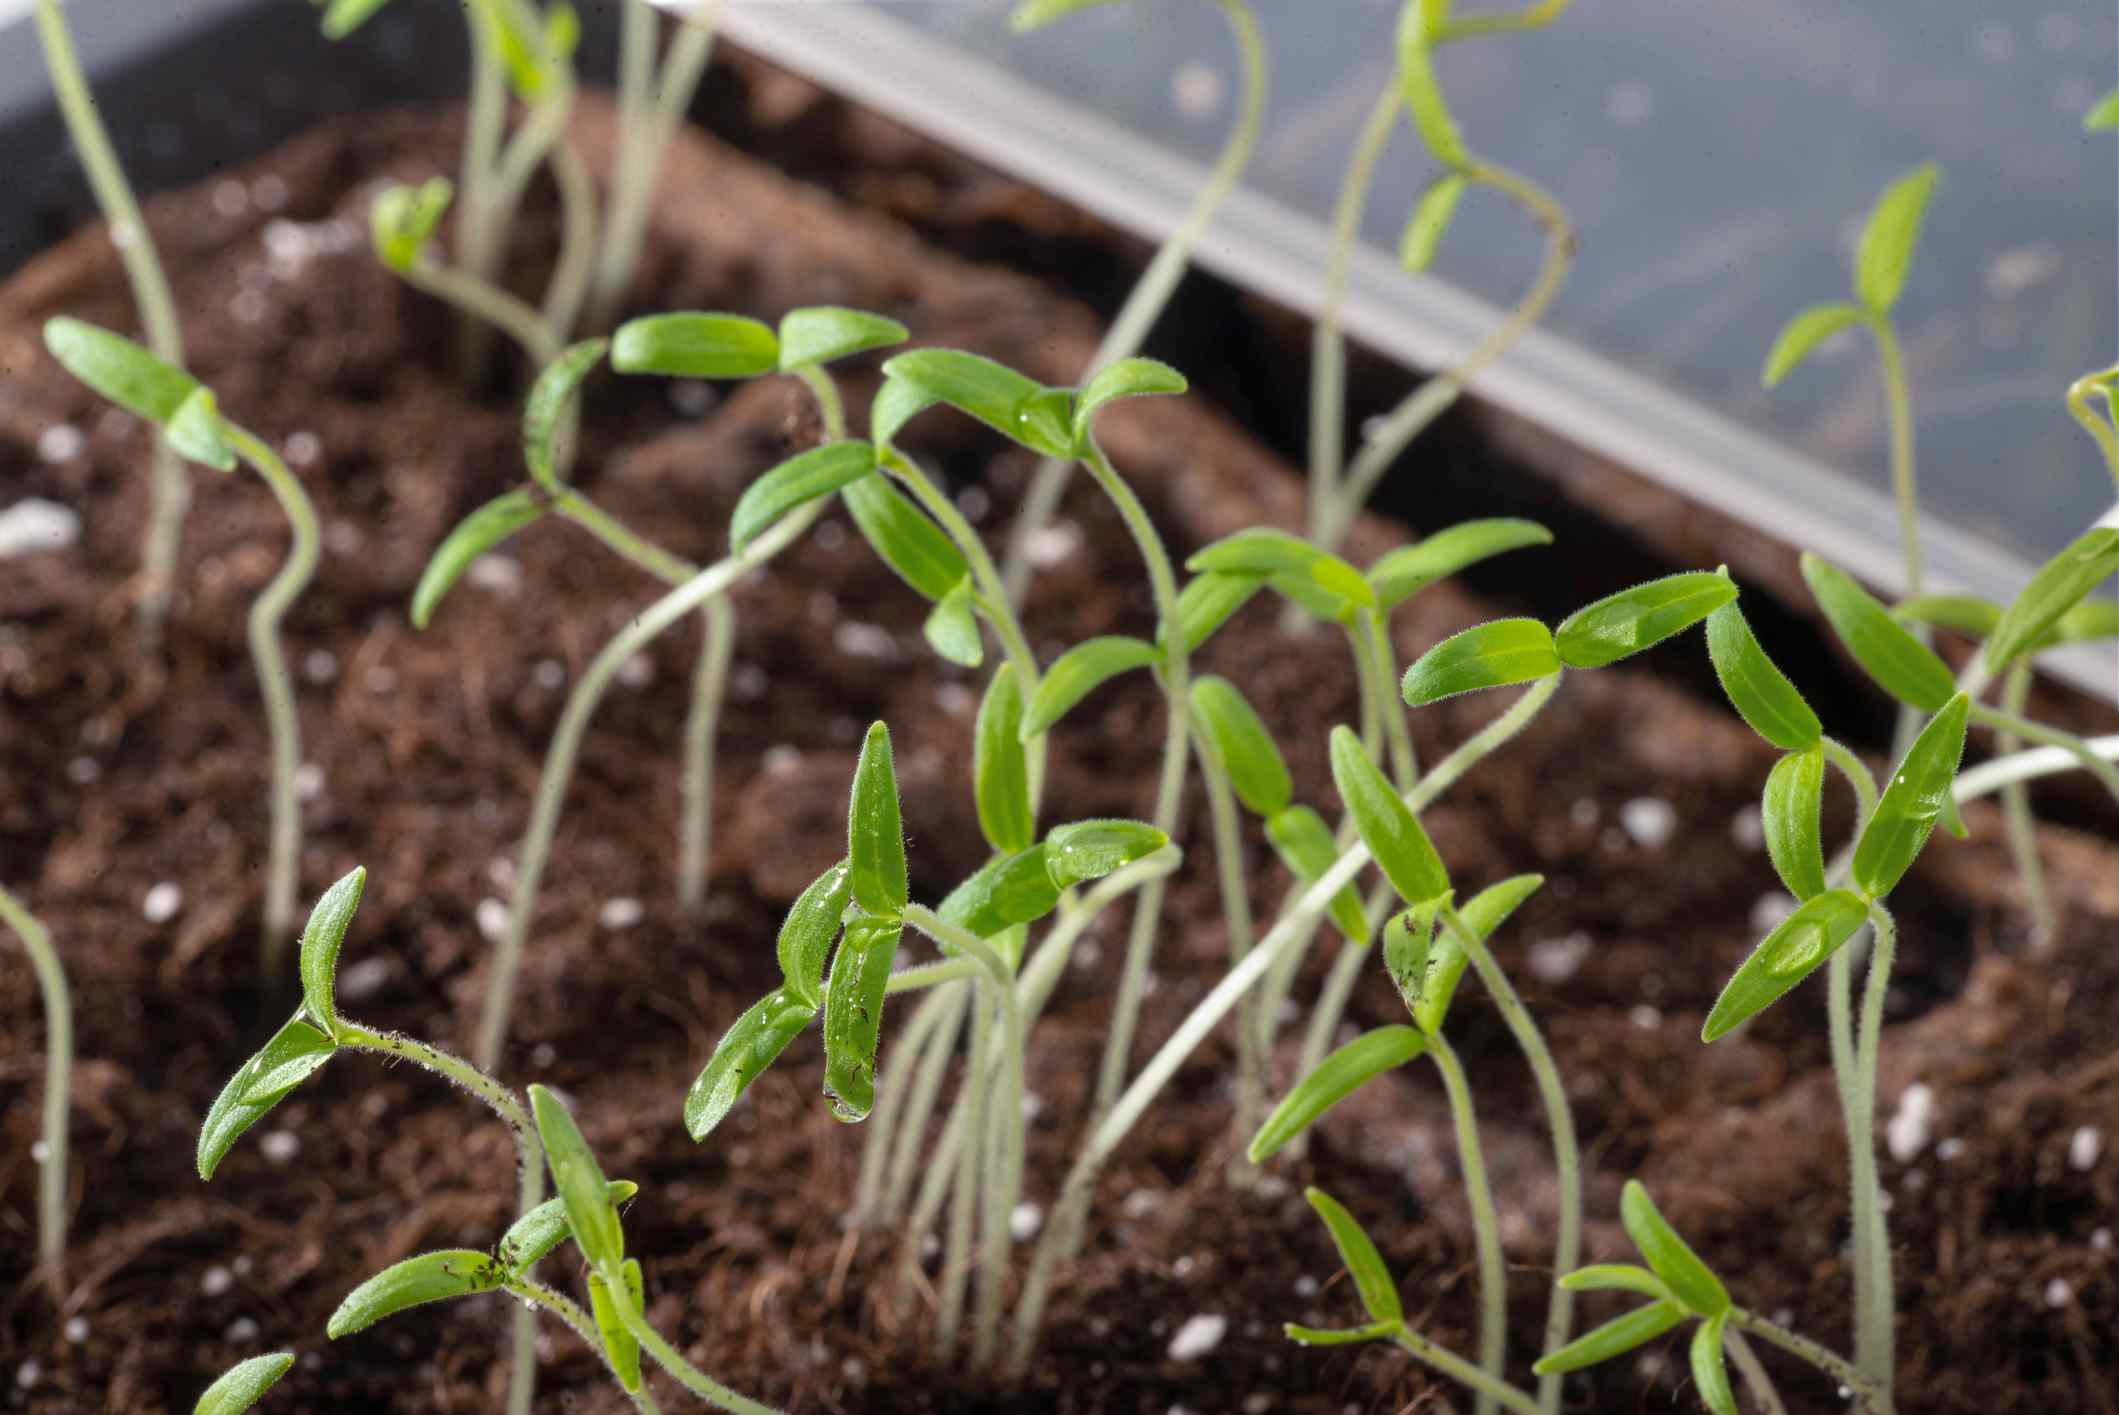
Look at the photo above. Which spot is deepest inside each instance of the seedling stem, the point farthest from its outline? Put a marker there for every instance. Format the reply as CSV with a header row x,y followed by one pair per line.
x,y
58,1080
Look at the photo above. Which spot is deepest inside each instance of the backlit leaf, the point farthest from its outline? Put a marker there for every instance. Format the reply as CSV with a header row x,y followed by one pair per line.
x,y
1423,96
695,344
2104,115
1493,655
1904,667
1796,948
1889,236
1007,890
1800,336
1080,671
1400,574
1757,689
875,833
583,1191
1363,1263
1000,767
430,1277
853,1014
284,1062
196,432
819,334
1638,618
1668,1256
1123,378
751,1044
545,410
1710,1370
619,1344
1912,803
1791,814
343,17
401,220
1963,614
2060,585
901,533
321,938
1390,829
1081,851
474,535
1338,1076
1242,746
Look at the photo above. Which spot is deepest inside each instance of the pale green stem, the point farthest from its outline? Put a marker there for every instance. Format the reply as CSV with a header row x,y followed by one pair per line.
x,y
283,864
972,1116
1486,1226
1405,762
522,1370
482,300
1236,919
669,1359
1839,978
1291,929
1754,1374
621,539
1991,776
58,1074
643,142
2101,429
2022,826
566,745
569,285
569,1311
2107,775
1464,1372
150,293
1151,293
1834,1366
477,223
1559,1118
1898,405
527,150
701,728
1873,1335
919,1108
908,1053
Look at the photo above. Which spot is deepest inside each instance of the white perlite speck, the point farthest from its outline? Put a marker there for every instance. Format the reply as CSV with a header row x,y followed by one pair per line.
x,y
1198,1336
2101,1241
2058,1293
28,1374
1912,1124
1650,820
1025,1221
498,574
2084,1148
621,913
1555,960
1051,545
162,902
216,1281
1772,908
280,1146
363,978
34,525
77,1330
61,442
1748,828
857,640
492,917
308,781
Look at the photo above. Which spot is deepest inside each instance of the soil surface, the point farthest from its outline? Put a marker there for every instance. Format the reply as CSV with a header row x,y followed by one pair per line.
x,y
120,773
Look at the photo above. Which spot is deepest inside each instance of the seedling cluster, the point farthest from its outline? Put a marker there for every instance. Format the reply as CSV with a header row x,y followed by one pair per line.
x,y
952,1167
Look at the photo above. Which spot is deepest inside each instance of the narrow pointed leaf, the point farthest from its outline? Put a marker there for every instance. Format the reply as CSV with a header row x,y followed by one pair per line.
x,y
545,410
122,371
1904,667
2060,585
1669,1257
1913,802
1757,689
1304,844
1481,915
2104,116
1007,890
1889,236
853,1014
1079,672
807,931
896,403
818,334
531,1238
474,535
196,432
1088,850
952,627
901,533
1635,619
1363,1263
243,1384
751,1044
1331,603
1423,96
695,345
1242,747
321,938
1794,950
1615,1277
1000,766
430,1277
1258,551
1338,1076
1339,1336
1018,408
1392,832
401,220
1124,378
284,1062
1430,219
583,1191
1615,1338
1791,813
1207,601
875,833
1408,947
1800,336
1494,655
1402,573
795,483
1963,614
1710,1369
619,1344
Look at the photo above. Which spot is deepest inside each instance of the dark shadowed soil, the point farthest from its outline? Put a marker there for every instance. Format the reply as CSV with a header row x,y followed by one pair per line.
x,y
119,774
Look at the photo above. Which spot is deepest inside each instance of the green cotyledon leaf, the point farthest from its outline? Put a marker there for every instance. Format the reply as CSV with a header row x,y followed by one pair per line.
x,y
751,1044
1338,1076
1912,803
853,1014
477,533
1790,814
795,483
1624,624
243,1384
1901,665
695,344
1668,1256
807,931
1757,689
905,537
1885,252
429,1277
1079,672
1379,1294
1304,843
1495,655
288,1059
1390,829
1797,947
875,833
583,1191
531,1238
2060,585
1000,765
1242,746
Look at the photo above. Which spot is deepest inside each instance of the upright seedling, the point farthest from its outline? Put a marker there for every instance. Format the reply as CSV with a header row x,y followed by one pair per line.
x,y
58,1073
190,422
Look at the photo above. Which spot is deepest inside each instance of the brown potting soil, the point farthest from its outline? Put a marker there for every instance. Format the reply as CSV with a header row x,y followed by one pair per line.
x,y
120,772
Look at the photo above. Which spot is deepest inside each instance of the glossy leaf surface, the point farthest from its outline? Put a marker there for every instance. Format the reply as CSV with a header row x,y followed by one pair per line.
x,y
853,1014
1242,746
1007,890
1088,850
1795,949
695,344
322,937
430,1277
474,535
1623,624
1494,655
1757,689
288,1059
795,483
1904,667
1791,814
1338,1076
994,394
1912,803
875,833
750,1045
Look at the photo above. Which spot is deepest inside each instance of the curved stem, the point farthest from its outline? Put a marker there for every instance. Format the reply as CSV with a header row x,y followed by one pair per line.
x,y
1338,990
1151,293
497,1098
274,683
701,728
1535,17
1873,1336
2102,430
569,1311
479,298
2022,826
1464,1372
1836,1367
522,1371
912,1044
1486,1227
919,1108
1754,1374
150,293
693,1379
58,1081
621,539
569,284
2107,774
1405,762
525,152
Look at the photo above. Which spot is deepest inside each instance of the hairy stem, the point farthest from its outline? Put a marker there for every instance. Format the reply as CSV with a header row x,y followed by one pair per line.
x,y
2022,826
1486,1227
1251,1039
1873,1335
1839,996
701,728
1991,776
2107,774
693,1379
973,1115
1834,1366
1754,1374
1464,1372
58,1074
569,1311
912,1044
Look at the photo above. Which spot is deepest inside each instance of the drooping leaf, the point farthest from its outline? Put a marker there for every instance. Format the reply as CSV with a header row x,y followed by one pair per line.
x,y
819,334
952,627
1363,1263
1079,672
531,1238
901,533
1757,689
1615,1338
1615,1277
1430,219
2060,585
1795,948
321,939
807,931
751,1044
1304,844
1338,1076
796,482
583,1191
1081,851
1668,1256
430,1277
1623,624
1390,829
1710,1369
695,344
1242,746
1800,336
1206,603
122,371
474,535
1000,767
284,1062
401,220
1791,814
1019,408
545,410
1007,890
1123,378
1494,655
197,433
243,1384
619,1343
853,1014
1889,236
875,834
1904,667
1912,802
1481,915
1400,574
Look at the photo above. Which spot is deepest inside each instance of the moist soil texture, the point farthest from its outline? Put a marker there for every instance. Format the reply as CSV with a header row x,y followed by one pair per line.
x,y
122,774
